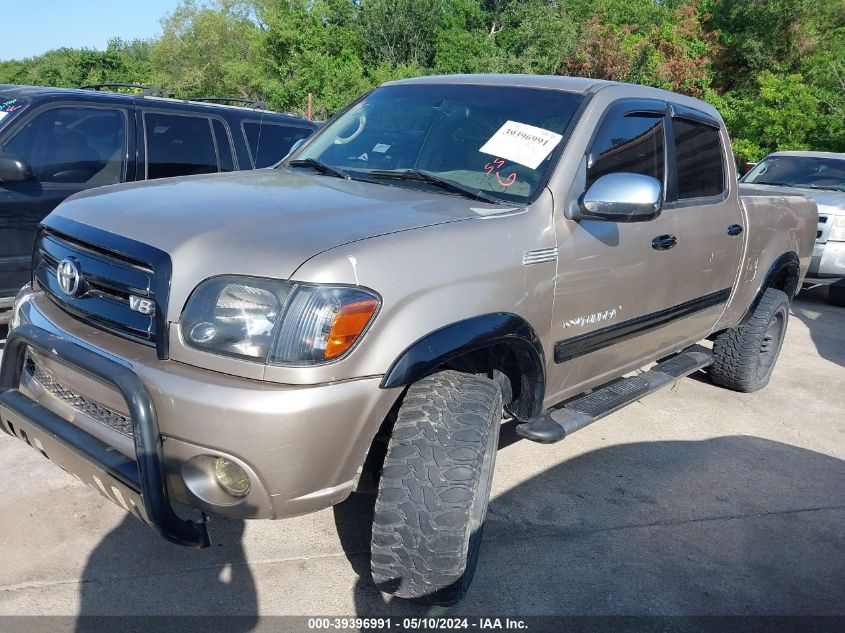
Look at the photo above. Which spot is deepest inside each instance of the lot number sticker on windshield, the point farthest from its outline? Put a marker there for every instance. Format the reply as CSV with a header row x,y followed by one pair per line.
x,y
521,143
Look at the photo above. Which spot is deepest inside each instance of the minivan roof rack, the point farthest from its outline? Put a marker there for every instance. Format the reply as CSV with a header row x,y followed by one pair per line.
x,y
249,103
147,91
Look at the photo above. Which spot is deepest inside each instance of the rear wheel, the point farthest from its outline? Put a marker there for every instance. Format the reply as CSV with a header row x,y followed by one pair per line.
x,y
744,357
836,294
435,486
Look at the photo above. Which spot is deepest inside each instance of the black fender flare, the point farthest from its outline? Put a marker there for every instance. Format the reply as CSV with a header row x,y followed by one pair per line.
x,y
456,339
788,262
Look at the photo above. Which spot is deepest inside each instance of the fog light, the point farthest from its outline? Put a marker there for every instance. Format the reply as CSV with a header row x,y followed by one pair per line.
x,y
231,477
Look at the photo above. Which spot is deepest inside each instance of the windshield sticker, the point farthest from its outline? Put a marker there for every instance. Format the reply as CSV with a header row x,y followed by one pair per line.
x,y
521,143
381,148
10,105
495,167
3,115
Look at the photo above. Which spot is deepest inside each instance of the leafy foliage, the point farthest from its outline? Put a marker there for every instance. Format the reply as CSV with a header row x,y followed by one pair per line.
x,y
774,68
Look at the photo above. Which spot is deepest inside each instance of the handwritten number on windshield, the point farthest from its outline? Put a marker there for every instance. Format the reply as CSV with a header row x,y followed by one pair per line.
x,y
495,167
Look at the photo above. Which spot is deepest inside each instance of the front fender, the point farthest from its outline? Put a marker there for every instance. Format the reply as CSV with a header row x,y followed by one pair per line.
x,y
468,335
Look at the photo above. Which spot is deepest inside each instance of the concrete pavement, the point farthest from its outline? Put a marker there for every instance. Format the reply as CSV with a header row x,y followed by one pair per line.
x,y
696,500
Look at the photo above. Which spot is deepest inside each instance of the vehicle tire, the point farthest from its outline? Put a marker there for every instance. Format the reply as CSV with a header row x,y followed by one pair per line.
x,y
435,486
744,357
836,294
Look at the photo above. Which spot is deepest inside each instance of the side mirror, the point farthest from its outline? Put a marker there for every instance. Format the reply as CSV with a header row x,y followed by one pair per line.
x,y
294,147
623,197
14,169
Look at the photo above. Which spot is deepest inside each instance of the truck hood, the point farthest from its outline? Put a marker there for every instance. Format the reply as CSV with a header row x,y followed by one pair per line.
x,y
829,202
264,223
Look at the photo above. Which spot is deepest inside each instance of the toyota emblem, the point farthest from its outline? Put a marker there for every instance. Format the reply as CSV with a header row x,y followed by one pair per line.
x,y
68,276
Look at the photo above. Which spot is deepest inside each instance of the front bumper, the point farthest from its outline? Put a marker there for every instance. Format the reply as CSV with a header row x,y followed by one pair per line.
x,y
300,446
828,263
138,485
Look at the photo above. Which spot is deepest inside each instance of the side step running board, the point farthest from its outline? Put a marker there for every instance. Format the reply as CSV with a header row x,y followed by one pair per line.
x,y
552,425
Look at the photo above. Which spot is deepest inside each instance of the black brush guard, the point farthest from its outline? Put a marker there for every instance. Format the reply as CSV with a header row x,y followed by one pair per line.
x,y
145,475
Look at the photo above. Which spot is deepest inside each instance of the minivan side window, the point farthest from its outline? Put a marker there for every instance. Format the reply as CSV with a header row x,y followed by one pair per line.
x,y
270,142
700,159
73,146
178,145
633,143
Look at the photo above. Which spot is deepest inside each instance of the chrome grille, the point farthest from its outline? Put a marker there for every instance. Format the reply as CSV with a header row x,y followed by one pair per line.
x,y
106,282
105,416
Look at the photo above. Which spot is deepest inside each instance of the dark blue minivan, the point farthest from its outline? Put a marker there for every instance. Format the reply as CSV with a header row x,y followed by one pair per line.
x,y
55,142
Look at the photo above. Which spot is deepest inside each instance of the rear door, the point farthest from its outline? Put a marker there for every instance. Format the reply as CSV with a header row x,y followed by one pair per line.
x,y
179,143
70,147
705,216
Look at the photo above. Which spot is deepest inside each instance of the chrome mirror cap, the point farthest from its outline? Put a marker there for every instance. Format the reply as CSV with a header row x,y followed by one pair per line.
x,y
623,197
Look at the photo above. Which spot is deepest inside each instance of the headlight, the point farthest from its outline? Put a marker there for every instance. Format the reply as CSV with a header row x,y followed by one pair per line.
x,y
837,231
275,321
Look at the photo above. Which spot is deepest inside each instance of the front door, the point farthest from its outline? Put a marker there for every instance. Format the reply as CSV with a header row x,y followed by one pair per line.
x,y
70,148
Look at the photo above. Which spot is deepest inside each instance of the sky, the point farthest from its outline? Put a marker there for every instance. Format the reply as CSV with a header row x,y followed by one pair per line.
x,y
32,27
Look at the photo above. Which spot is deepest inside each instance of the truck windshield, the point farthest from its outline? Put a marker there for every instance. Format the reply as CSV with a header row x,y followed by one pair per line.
x,y
808,172
10,106
487,142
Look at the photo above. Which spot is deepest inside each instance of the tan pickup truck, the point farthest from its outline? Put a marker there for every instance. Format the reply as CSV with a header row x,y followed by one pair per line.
x,y
445,252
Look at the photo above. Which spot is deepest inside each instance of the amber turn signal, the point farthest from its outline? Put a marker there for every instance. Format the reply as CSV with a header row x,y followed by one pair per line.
x,y
349,322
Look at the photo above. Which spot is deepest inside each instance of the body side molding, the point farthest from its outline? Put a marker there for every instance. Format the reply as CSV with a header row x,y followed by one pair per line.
x,y
576,346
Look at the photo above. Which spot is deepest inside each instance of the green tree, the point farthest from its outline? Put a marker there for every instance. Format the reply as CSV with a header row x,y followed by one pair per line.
x,y
785,113
671,51
208,50
775,68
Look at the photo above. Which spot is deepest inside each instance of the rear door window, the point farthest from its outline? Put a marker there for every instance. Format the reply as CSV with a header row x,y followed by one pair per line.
x,y
179,145
73,146
632,143
270,142
700,160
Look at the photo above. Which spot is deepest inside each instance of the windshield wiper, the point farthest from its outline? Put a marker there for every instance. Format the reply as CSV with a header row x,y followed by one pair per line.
x,y
313,163
770,182
444,183
828,188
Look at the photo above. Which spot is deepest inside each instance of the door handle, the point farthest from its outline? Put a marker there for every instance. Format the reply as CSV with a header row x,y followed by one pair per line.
x,y
734,229
664,242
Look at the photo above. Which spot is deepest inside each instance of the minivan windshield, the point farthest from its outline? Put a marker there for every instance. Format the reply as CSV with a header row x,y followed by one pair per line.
x,y
487,142
808,172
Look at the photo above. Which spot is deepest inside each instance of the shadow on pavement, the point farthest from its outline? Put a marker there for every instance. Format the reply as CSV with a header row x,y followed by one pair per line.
x,y
734,525
826,323
179,580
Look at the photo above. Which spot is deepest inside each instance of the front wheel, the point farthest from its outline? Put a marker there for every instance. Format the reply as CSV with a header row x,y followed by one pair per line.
x,y
435,486
745,356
